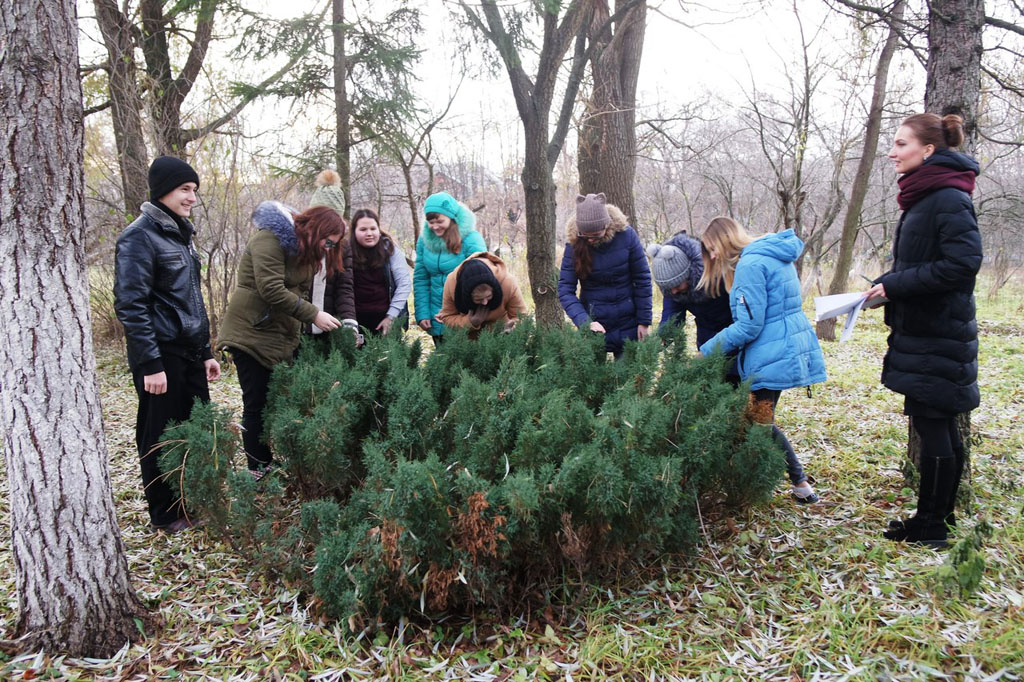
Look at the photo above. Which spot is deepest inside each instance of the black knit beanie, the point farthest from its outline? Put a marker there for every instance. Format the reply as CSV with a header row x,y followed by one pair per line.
x,y
472,274
167,173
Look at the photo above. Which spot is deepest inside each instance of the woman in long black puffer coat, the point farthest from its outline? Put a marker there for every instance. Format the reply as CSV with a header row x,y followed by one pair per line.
x,y
933,346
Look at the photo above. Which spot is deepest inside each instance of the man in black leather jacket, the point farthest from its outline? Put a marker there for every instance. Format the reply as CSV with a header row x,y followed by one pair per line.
x,y
158,299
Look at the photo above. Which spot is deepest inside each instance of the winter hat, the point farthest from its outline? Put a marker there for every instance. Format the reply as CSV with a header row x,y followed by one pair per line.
x,y
167,173
328,192
669,265
442,203
472,274
591,213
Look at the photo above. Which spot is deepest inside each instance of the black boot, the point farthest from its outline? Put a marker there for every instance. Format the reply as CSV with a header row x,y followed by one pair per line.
x,y
960,455
928,526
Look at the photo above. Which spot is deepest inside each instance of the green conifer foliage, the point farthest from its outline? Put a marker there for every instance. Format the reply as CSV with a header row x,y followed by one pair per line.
x,y
468,478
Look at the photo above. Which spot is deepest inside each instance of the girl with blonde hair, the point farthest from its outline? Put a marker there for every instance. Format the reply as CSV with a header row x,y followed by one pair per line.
x,y
775,345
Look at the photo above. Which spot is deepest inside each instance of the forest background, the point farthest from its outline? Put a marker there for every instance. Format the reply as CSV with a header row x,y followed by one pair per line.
x,y
754,110
770,132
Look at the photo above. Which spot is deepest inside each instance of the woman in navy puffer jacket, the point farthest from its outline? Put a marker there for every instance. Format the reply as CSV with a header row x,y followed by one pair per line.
x,y
776,346
605,258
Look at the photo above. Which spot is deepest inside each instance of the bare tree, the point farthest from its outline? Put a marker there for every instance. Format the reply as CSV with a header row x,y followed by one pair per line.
x,y
851,223
954,61
152,82
71,574
534,97
607,130
783,129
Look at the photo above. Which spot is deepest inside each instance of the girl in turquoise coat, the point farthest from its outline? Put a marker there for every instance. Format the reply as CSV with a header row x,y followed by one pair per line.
x,y
447,239
775,344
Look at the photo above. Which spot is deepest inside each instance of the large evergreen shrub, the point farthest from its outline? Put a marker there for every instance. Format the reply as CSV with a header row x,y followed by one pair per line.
x,y
470,477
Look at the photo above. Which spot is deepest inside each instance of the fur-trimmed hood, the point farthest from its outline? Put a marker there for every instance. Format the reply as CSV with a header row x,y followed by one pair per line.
x,y
618,224
277,218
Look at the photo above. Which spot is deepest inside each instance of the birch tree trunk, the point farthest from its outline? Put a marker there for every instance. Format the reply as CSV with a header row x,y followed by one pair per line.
x,y
71,575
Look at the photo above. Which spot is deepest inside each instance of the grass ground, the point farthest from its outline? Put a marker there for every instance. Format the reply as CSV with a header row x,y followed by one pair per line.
x,y
784,593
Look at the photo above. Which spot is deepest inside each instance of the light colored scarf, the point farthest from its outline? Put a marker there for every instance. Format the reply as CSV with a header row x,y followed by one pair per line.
x,y
319,288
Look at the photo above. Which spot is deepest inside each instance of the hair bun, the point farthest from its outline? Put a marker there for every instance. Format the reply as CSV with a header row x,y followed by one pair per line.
x,y
328,177
953,129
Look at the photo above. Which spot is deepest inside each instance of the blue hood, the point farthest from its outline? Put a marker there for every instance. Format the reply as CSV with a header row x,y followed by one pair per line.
x,y
783,246
276,217
955,160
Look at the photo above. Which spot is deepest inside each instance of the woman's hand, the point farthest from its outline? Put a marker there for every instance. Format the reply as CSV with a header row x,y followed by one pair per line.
x,y
877,291
385,325
326,322
597,327
511,324
424,325
212,369
642,331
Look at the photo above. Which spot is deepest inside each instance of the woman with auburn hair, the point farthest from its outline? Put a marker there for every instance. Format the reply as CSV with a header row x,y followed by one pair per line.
x,y
605,280
775,345
381,280
932,357
267,309
447,239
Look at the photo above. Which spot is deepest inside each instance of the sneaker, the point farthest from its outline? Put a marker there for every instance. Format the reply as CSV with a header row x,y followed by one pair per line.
x,y
804,495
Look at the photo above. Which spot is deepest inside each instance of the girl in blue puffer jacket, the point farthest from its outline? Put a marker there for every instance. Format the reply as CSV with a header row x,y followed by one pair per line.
x,y
605,259
776,346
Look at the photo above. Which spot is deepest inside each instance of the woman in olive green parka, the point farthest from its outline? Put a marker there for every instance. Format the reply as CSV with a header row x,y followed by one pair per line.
x,y
268,305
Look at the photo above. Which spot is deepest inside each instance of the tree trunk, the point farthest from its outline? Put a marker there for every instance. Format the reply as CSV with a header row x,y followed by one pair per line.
x,y
539,191
954,62
125,104
166,118
71,575
954,86
841,277
607,132
342,107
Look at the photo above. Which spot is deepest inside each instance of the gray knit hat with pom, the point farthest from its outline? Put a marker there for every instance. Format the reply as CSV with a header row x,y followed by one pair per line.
x,y
328,192
669,265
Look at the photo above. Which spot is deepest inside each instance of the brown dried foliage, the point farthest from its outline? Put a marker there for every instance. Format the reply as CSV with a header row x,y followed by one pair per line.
x,y
759,411
437,585
474,533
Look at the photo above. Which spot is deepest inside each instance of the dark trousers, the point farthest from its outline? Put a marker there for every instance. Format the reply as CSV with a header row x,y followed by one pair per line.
x,y
254,379
939,436
186,381
793,467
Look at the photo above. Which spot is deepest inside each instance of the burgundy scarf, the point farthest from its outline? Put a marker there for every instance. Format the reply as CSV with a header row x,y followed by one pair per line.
x,y
923,180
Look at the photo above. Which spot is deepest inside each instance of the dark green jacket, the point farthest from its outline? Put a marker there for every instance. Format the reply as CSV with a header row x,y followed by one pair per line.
x,y
268,306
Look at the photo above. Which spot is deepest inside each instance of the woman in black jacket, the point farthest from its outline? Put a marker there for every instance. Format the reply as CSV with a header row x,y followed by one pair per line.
x,y
933,346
